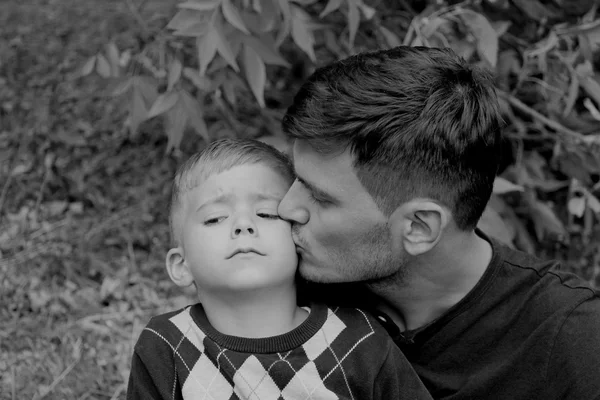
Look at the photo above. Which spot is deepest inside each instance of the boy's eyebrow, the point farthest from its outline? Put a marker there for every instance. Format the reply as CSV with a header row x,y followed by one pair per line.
x,y
228,197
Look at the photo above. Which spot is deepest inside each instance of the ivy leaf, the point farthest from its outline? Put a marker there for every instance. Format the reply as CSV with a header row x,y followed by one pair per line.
x,y
592,202
102,66
545,220
195,30
201,82
266,50
120,86
175,69
487,38
492,223
301,33
232,15
199,5
500,27
331,6
190,23
390,37
502,185
576,206
368,12
353,21
535,10
224,48
256,73
286,23
207,49
114,57
587,80
164,102
186,18
572,95
176,120
88,67
147,87
195,114
137,111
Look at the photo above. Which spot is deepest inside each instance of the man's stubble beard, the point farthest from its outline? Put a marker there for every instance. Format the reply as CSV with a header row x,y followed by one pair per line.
x,y
369,261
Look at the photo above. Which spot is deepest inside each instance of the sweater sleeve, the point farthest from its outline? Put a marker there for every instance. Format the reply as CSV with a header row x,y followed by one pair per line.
x,y
574,359
141,385
397,379
153,374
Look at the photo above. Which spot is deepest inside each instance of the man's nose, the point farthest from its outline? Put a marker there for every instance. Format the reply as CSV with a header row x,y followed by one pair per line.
x,y
244,225
291,207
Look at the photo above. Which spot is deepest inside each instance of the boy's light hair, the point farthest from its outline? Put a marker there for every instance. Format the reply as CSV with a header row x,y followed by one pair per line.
x,y
220,156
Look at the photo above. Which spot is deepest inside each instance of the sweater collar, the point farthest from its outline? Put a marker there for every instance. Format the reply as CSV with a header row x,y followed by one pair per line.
x,y
274,344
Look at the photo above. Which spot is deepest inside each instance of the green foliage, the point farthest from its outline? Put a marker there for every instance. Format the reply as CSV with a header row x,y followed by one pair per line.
x,y
230,55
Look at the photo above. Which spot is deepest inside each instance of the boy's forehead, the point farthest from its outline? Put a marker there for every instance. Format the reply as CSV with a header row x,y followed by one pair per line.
x,y
252,179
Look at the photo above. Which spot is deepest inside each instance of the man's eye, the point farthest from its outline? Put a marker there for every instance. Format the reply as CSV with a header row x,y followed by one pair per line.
x,y
213,221
268,215
316,199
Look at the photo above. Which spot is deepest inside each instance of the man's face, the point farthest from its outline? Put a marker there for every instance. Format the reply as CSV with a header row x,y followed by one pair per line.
x,y
340,233
232,236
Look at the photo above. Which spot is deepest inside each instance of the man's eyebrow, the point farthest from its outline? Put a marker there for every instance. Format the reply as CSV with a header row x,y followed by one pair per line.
x,y
313,188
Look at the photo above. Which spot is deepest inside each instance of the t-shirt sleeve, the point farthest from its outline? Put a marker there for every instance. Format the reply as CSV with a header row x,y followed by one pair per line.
x,y
574,362
397,379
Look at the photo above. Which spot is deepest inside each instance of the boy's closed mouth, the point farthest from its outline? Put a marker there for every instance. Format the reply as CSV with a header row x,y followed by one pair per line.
x,y
245,250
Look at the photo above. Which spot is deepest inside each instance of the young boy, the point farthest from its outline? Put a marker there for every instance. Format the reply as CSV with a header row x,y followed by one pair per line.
x,y
247,338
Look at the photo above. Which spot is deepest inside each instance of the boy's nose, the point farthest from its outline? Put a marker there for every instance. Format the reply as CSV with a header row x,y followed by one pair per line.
x,y
244,225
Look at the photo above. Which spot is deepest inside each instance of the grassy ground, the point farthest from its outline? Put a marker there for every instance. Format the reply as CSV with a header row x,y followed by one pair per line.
x,y
82,207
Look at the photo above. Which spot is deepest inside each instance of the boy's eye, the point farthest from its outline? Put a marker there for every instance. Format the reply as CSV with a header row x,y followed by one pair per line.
x,y
268,215
214,220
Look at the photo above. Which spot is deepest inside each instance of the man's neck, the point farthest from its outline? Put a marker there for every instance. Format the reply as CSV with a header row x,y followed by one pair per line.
x,y
255,314
436,282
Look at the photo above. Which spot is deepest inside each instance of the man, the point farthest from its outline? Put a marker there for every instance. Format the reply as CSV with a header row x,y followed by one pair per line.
x,y
396,153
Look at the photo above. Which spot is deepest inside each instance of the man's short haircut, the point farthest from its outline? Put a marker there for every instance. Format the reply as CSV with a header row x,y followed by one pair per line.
x,y
220,156
419,122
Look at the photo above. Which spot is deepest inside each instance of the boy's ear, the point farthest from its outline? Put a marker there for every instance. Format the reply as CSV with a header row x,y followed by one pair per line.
x,y
177,267
417,226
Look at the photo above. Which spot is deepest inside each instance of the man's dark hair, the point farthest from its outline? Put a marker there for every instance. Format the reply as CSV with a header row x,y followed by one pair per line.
x,y
420,122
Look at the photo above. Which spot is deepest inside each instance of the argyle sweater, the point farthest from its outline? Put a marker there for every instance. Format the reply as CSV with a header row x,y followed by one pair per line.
x,y
334,354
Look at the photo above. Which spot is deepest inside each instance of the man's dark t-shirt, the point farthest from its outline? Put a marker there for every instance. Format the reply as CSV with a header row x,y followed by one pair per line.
x,y
525,331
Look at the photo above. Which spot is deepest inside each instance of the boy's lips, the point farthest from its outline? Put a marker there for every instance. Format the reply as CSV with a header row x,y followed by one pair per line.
x,y
244,250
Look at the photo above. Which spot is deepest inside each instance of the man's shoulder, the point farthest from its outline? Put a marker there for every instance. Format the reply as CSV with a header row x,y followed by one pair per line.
x,y
545,275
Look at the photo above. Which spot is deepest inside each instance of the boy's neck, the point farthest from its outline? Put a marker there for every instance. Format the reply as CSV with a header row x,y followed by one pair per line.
x,y
255,314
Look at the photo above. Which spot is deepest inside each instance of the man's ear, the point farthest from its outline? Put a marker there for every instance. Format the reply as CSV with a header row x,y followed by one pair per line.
x,y
177,267
418,225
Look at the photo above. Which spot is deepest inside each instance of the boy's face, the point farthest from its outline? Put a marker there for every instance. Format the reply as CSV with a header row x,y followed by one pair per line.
x,y
232,236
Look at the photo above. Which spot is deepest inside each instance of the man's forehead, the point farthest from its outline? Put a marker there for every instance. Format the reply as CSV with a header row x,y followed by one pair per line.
x,y
306,158
330,173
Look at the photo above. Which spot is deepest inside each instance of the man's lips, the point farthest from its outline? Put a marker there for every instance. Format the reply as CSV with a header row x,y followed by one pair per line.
x,y
245,250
